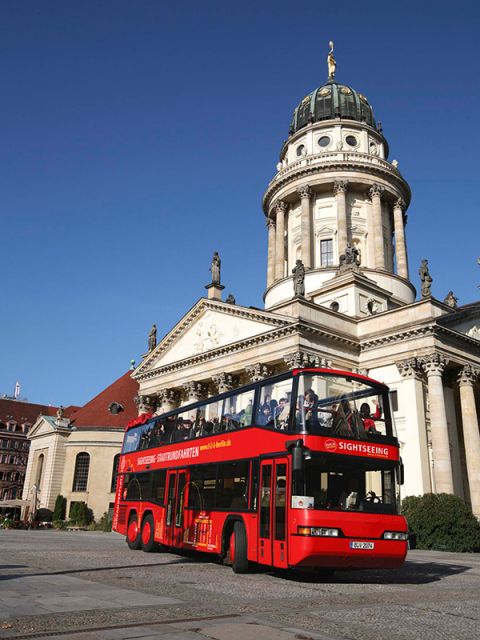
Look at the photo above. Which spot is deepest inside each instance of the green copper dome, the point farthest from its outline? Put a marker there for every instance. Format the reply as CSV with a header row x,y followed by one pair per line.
x,y
332,100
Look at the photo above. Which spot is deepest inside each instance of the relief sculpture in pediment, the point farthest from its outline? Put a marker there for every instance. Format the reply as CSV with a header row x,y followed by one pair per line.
x,y
207,337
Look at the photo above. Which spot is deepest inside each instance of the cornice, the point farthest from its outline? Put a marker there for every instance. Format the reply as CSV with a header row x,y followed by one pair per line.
x,y
201,307
337,165
418,332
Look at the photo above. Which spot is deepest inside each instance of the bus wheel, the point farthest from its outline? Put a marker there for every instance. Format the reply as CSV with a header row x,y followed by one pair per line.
x,y
148,528
133,534
238,548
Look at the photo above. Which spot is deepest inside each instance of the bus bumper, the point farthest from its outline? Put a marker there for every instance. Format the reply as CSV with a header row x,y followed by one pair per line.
x,y
310,551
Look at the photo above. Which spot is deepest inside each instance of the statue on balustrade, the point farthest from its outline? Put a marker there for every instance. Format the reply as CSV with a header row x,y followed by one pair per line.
x,y
299,278
351,259
215,268
451,300
152,338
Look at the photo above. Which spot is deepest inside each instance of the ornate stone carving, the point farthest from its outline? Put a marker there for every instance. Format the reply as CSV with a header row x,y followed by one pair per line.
x,y
224,382
409,368
145,404
426,279
305,360
351,259
270,223
208,337
376,190
299,279
474,332
168,397
340,186
451,300
305,191
257,372
399,204
281,206
360,371
215,268
434,364
231,299
194,390
468,375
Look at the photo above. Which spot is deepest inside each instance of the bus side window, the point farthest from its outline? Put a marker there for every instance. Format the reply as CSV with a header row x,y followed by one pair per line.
x,y
254,486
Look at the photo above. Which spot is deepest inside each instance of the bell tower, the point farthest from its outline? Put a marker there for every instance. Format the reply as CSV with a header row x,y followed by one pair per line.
x,y
338,204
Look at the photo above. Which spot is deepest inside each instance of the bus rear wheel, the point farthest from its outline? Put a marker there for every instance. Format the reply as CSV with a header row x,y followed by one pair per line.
x,y
133,533
238,548
148,529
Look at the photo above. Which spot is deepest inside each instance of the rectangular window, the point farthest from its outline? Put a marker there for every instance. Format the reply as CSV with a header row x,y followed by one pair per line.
x,y
232,485
265,501
394,399
158,486
280,501
203,479
274,404
326,253
138,486
238,411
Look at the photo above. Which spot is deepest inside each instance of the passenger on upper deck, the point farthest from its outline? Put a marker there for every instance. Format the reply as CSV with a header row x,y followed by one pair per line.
x,y
369,420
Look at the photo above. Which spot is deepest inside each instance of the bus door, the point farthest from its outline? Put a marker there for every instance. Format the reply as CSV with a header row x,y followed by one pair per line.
x,y
176,501
272,548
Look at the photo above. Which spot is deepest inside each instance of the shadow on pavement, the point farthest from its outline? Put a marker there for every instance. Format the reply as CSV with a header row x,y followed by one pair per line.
x,y
410,573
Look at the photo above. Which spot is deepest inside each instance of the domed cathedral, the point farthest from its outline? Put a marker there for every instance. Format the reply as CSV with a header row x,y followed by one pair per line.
x,y
339,295
337,201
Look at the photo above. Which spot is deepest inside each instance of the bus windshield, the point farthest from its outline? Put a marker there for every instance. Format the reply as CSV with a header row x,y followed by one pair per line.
x,y
353,485
342,407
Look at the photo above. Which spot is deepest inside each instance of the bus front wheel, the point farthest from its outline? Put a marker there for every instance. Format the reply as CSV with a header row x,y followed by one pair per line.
x,y
148,528
238,548
133,534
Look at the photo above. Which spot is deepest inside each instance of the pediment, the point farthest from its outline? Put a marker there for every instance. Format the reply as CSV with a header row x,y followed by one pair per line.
x,y
210,325
42,427
464,320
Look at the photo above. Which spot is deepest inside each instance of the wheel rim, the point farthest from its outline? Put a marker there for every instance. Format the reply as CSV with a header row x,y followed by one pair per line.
x,y
132,531
146,532
232,548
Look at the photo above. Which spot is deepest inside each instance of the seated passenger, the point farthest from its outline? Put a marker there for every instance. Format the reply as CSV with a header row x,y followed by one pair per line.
x,y
282,414
369,420
246,417
310,406
265,416
342,418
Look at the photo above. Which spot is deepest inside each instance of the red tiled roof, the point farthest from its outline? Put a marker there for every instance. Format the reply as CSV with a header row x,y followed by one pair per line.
x,y
95,413
22,412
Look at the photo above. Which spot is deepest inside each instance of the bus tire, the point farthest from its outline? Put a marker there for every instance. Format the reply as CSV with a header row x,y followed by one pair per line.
x,y
238,548
134,538
147,538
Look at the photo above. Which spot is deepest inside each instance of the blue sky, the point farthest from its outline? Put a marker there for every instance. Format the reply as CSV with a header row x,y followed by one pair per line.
x,y
138,137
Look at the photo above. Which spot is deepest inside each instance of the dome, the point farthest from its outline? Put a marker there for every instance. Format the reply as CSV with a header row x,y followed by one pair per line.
x,y
330,101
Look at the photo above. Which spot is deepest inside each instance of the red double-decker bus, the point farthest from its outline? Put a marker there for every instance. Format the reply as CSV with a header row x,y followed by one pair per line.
x,y
297,470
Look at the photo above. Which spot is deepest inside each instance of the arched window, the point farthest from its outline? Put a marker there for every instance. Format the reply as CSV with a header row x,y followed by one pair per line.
x,y
40,462
116,460
80,477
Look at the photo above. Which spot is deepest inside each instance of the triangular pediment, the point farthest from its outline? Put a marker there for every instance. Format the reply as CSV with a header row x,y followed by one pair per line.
x,y
43,426
208,326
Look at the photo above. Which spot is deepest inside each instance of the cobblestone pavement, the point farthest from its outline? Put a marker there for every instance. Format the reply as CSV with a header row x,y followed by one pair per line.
x,y
90,586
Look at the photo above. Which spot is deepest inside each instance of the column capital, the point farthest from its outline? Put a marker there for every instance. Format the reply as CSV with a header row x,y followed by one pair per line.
x,y
194,390
257,371
304,191
340,186
468,375
303,359
399,203
434,364
409,368
280,206
270,222
376,190
224,382
145,404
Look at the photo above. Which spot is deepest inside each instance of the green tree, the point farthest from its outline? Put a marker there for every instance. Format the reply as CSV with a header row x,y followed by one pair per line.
x,y
60,508
442,521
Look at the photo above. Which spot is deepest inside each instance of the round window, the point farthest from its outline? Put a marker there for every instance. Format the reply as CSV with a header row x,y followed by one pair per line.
x,y
334,306
351,141
301,150
324,141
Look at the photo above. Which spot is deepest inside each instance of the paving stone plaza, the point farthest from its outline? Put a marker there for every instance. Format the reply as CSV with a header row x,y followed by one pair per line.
x,y
90,586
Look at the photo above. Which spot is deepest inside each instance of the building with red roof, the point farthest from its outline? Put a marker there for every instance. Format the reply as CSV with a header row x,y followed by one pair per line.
x,y
75,452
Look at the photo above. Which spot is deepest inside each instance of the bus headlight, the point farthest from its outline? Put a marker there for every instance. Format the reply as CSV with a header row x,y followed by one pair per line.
x,y
318,531
395,535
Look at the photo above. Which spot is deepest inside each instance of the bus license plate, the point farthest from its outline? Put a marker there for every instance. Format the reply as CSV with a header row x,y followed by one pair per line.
x,y
362,545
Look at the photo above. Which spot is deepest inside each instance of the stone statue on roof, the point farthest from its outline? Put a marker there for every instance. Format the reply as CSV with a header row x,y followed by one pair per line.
x,y
451,300
426,279
299,278
331,62
215,268
152,338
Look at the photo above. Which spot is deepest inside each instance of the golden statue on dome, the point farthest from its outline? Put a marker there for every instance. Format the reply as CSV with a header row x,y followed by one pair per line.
x,y
331,62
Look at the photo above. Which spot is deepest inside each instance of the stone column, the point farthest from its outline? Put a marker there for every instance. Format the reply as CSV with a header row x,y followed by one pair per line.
x,y
400,246
271,251
305,194
340,191
434,365
471,435
280,208
376,195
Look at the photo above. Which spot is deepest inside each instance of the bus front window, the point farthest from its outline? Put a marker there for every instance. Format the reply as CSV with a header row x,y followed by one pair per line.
x,y
356,485
342,407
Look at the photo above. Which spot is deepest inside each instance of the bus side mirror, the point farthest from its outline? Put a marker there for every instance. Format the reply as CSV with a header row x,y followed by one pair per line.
x,y
401,472
296,448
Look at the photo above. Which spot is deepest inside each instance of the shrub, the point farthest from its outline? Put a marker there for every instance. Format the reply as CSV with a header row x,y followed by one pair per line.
x,y
105,522
59,524
60,508
442,521
80,514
